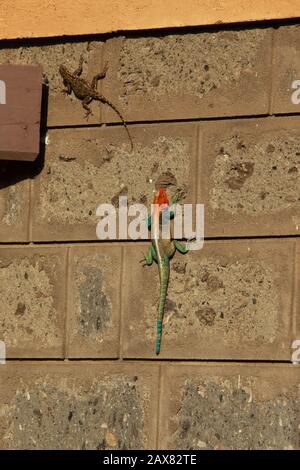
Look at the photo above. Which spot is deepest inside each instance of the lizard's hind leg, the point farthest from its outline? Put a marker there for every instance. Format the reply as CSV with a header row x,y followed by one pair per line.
x,y
85,103
181,247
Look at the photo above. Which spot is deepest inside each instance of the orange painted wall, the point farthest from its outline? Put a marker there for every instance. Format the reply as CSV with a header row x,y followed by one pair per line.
x,y
46,18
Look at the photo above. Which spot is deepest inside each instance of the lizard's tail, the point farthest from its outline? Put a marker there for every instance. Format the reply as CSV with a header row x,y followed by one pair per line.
x,y
164,281
105,100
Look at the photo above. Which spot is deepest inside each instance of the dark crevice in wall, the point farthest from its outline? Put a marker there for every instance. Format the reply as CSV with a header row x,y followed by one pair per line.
x,y
152,360
137,242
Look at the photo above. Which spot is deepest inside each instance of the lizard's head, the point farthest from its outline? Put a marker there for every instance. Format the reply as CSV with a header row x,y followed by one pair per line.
x,y
63,71
161,198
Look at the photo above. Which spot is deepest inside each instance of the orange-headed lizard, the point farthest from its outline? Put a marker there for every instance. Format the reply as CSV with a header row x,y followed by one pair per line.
x,y
162,250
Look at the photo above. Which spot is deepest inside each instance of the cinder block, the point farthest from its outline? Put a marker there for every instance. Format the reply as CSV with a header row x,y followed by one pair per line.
x,y
230,407
62,109
249,177
14,204
88,167
286,70
79,406
179,76
32,292
94,301
230,300
296,323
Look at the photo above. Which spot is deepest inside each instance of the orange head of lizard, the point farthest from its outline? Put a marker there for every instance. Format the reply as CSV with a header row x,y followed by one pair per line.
x,y
161,199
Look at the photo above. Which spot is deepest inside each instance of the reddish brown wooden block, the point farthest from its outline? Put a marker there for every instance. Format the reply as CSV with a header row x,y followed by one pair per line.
x,y
20,111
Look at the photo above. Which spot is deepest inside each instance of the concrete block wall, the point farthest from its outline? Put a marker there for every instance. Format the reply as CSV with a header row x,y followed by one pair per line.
x,y
212,111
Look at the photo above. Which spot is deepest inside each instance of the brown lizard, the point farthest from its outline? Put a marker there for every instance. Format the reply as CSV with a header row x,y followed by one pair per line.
x,y
87,91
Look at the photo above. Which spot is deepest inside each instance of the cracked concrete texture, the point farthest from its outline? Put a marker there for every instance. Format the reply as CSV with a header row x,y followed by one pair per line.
x,y
256,174
14,201
69,413
237,299
187,63
228,413
73,184
11,202
29,313
232,299
286,69
93,307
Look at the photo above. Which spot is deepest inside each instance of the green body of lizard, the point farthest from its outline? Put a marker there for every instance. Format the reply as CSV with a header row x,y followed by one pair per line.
x,y
161,251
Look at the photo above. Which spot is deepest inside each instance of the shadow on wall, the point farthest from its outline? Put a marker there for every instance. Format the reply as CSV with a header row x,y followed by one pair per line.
x,y
11,172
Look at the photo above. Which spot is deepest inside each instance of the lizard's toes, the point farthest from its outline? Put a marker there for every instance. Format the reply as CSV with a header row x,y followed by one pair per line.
x,y
143,261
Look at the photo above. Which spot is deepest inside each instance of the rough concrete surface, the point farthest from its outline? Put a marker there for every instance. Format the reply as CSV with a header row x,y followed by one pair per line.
x,y
162,75
229,300
14,207
286,69
249,177
77,406
88,167
297,296
32,291
94,301
189,75
230,407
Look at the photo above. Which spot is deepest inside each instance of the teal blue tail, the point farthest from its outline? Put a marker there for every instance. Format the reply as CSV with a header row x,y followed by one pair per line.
x,y
164,281
159,335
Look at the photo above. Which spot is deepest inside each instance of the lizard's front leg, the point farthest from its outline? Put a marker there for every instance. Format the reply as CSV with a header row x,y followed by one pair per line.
x,y
178,195
78,71
85,103
150,256
99,76
68,89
